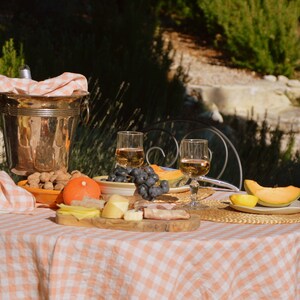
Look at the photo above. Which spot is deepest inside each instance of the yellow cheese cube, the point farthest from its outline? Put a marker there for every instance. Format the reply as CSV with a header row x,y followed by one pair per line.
x,y
115,207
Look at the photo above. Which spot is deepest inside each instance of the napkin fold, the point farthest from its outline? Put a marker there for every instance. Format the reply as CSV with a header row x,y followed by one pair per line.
x,y
65,84
13,198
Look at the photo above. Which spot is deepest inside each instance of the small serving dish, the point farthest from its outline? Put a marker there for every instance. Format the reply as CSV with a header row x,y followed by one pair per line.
x,y
47,197
126,189
293,208
120,188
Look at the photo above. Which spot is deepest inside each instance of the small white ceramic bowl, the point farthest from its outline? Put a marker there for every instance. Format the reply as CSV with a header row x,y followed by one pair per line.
x,y
119,188
126,189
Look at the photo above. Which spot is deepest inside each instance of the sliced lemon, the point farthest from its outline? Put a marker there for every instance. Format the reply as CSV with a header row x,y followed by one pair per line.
x,y
243,200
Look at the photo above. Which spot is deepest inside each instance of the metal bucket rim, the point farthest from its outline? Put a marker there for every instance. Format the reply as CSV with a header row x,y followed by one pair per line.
x,y
76,95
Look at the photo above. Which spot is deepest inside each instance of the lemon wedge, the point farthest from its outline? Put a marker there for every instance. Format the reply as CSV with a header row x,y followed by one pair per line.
x,y
243,200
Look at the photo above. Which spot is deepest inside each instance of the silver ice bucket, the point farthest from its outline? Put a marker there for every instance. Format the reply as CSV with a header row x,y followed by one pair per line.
x,y
39,131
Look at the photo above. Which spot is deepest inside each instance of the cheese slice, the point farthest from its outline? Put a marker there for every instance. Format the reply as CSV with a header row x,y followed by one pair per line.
x,y
78,212
115,207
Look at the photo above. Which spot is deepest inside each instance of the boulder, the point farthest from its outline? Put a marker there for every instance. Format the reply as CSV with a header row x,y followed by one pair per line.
x,y
277,101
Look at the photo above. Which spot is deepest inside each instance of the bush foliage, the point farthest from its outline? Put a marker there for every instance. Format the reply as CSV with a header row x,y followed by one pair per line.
x,y
259,35
11,60
263,155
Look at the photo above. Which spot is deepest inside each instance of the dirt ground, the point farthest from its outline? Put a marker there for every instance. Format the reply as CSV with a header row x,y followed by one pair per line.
x,y
205,65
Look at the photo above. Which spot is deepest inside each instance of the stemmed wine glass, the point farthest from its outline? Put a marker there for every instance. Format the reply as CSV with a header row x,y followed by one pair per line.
x,y
130,151
194,163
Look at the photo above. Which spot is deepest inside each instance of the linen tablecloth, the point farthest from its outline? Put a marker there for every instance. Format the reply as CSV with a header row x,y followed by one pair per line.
x,y
40,259
65,84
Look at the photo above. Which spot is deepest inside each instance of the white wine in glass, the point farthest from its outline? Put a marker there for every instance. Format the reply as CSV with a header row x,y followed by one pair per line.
x,y
130,151
194,168
194,163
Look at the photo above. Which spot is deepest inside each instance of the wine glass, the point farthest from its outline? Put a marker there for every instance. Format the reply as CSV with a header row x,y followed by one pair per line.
x,y
130,151
194,163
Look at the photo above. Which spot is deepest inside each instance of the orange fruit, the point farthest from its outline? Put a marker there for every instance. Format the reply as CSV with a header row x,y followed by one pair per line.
x,y
80,187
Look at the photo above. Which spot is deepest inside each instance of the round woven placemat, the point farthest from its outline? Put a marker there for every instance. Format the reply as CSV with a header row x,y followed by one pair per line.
x,y
184,197
220,211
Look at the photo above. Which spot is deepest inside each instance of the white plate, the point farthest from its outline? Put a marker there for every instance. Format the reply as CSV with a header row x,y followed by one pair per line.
x,y
126,189
293,208
180,189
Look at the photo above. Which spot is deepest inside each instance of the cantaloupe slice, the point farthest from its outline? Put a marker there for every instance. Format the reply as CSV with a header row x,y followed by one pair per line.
x,y
172,176
157,169
251,186
272,196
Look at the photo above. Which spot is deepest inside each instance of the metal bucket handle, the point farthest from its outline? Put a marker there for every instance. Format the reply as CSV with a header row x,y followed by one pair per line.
x,y
85,111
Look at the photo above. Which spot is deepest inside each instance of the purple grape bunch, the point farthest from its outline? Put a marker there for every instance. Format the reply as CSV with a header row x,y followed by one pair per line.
x,y
145,179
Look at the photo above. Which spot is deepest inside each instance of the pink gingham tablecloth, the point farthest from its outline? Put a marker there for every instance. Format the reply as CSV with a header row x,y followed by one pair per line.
x,y
40,259
13,198
65,84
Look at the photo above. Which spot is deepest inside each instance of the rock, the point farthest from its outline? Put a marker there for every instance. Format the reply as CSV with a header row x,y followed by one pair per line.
x,y
294,95
293,83
269,100
242,99
282,78
271,78
213,114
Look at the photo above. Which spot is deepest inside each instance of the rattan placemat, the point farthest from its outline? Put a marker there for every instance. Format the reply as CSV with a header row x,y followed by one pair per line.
x,y
184,197
220,211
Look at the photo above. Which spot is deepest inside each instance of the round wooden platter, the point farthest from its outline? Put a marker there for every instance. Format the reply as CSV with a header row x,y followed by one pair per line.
x,y
145,225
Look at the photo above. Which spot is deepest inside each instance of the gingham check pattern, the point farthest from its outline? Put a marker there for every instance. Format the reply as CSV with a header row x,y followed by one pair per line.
x,y
14,199
63,85
40,259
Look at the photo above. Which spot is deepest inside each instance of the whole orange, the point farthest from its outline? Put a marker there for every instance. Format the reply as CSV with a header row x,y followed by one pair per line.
x,y
80,187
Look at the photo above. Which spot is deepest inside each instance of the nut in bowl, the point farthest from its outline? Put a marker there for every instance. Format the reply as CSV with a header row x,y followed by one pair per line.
x,y
47,197
47,186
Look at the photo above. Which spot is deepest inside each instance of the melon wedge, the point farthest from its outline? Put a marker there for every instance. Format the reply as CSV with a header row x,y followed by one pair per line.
x,y
172,176
251,186
272,196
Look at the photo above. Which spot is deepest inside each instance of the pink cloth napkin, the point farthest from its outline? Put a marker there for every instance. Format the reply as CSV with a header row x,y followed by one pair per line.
x,y
13,198
65,84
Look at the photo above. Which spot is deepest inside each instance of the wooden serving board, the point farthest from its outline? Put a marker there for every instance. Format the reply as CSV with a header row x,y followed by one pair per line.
x,y
146,225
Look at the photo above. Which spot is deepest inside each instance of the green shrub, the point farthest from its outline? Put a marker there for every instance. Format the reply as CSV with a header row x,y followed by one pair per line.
x,y
259,35
11,60
177,12
263,157
97,140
